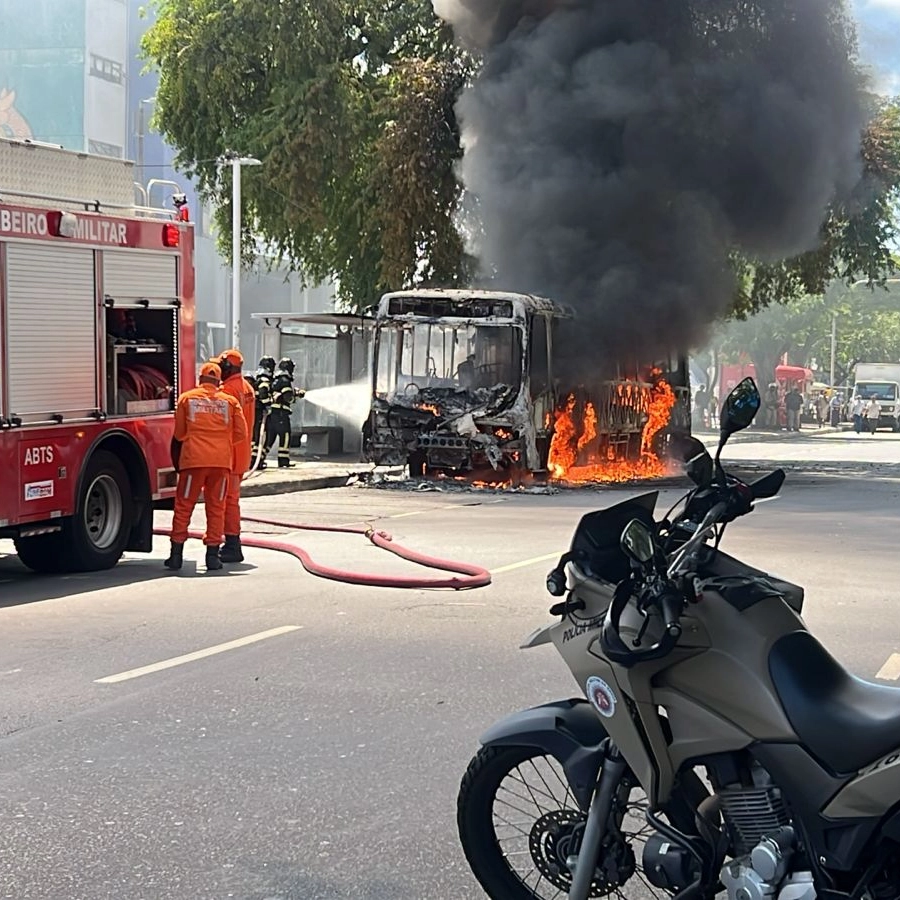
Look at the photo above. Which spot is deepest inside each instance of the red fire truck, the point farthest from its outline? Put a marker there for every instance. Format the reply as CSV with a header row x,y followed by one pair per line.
x,y
96,342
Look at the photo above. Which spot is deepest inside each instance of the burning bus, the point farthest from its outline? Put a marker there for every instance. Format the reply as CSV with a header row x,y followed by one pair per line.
x,y
466,383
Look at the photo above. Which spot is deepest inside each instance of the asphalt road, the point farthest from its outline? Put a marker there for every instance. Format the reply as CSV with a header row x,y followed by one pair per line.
x,y
322,762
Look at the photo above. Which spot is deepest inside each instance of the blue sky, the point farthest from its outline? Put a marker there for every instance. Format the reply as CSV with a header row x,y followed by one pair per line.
x,y
879,33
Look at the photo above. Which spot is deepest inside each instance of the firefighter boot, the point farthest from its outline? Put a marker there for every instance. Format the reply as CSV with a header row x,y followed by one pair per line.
x,y
231,550
212,559
176,557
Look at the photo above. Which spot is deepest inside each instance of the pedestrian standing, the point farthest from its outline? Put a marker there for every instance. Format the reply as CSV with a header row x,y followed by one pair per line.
x,y
701,402
857,412
771,406
208,425
713,411
821,409
793,403
873,414
233,382
835,409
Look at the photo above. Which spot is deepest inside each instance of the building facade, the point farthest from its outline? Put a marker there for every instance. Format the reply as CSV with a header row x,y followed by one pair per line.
x,y
71,73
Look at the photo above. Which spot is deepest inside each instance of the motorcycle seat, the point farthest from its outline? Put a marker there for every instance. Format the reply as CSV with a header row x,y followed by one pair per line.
x,y
845,722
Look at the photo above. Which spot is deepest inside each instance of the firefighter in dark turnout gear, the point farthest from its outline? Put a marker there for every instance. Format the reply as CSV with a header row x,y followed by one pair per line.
x,y
262,385
278,424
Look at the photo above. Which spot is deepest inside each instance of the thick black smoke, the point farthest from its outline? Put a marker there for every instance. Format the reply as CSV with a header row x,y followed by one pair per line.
x,y
618,150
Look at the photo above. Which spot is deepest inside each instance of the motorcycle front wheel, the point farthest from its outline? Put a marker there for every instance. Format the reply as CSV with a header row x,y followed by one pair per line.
x,y
519,822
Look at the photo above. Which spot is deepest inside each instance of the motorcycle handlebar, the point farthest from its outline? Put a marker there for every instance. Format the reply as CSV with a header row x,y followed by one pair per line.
x,y
671,606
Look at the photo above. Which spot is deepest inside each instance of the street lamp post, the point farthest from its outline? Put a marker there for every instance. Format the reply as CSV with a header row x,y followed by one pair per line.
x,y
141,131
236,162
833,347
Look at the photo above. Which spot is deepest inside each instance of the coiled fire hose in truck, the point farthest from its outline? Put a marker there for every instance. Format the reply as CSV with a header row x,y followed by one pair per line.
x,y
472,576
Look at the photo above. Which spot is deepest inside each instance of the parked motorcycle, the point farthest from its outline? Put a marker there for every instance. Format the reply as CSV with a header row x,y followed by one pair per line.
x,y
720,747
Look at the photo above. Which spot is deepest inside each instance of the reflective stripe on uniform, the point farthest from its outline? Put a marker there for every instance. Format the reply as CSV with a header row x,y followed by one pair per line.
x,y
198,405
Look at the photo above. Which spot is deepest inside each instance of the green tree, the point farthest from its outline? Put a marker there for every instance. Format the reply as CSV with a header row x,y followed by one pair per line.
x,y
350,104
350,107
867,329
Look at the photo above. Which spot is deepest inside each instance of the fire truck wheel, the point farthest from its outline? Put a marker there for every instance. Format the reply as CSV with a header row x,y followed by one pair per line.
x,y
44,554
95,537
97,533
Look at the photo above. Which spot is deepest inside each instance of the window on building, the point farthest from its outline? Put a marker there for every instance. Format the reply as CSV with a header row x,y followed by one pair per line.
x,y
107,69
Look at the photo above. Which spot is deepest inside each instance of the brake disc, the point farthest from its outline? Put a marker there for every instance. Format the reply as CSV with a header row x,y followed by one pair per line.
x,y
550,843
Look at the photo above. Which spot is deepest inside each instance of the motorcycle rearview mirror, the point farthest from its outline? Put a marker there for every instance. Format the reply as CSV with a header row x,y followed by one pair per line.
x,y
740,408
738,412
637,543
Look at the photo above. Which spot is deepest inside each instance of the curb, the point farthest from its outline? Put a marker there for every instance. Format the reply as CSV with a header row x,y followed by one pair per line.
x,y
256,488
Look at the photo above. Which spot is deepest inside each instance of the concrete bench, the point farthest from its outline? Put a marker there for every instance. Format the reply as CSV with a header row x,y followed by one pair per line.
x,y
321,440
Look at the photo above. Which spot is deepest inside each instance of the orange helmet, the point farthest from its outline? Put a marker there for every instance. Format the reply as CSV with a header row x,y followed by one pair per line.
x,y
211,370
234,356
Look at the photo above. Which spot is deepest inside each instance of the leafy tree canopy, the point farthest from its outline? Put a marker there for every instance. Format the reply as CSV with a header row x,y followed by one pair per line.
x,y
867,329
350,105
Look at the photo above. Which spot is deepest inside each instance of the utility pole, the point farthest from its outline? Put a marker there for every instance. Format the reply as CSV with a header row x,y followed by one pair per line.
x,y
833,346
236,162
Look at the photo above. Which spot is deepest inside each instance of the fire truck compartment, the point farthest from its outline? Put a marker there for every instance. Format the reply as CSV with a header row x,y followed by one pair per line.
x,y
141,361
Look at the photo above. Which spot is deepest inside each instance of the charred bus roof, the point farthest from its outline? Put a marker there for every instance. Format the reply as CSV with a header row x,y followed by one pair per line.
x,y
432,304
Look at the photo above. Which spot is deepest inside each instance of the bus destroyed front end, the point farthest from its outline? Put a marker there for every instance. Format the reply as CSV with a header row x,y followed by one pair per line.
x,y
450,397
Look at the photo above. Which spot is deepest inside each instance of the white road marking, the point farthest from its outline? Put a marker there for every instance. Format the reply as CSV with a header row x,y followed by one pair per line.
x,y
526,562
197,654
890,671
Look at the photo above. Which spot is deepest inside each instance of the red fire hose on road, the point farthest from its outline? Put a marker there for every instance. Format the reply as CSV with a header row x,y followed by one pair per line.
x,y
472,576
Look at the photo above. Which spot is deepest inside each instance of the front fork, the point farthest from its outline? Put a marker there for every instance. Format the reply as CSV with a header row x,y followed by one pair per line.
x,y
584,866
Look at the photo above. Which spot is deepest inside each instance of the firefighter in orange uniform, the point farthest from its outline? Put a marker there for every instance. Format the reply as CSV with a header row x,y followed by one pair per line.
x,y
209,424
234,383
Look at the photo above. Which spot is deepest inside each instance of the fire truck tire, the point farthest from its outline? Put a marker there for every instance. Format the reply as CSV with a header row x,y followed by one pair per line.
x,y
98,532
95,537
44,554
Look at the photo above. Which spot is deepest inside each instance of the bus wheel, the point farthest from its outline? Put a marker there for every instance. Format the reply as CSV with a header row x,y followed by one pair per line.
x,y
98,532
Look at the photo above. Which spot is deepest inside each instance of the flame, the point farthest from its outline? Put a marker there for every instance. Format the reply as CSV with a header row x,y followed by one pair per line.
x,y
580,452
427,407
563,452
590,426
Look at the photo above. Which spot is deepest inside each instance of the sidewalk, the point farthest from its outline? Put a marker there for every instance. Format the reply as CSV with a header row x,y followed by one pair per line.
x,y
711,438
308,474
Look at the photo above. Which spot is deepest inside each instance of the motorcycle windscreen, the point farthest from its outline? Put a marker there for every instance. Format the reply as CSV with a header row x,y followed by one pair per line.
x,y
596,544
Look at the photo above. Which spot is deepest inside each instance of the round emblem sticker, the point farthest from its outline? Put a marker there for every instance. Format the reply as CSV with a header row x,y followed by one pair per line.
x,y
601,696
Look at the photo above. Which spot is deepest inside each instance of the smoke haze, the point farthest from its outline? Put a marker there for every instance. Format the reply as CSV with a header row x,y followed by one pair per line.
x,y
617,150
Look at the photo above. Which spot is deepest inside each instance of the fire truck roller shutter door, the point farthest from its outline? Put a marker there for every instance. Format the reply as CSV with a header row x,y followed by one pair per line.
x,y
137,274
95,537
50,302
